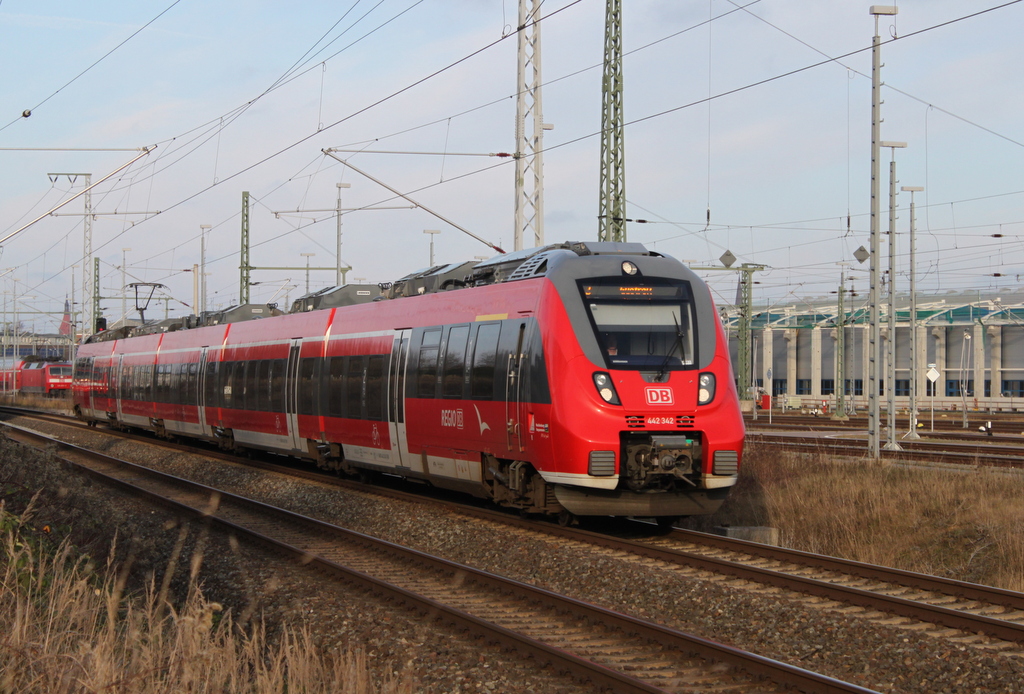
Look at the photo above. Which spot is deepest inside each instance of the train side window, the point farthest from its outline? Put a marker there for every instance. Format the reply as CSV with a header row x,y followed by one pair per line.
x,y
354,387
143,384
170,374
166,375
211,393
263,384
484,353
535,377
455,362
336,387
375,388
229,388
238,385
245,375
179,378
426,368
191,384
277,385
308,383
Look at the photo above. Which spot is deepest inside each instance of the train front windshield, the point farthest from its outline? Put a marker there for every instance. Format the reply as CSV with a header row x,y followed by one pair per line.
x,y
648,327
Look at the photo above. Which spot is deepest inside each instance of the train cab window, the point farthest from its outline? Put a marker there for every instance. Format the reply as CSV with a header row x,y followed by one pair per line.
x,y
375,388
485,350
454,373
646,326
426,367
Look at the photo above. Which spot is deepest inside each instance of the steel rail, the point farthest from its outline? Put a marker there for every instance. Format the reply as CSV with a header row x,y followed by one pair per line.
x,y
758,666
956,619
947,586
952,618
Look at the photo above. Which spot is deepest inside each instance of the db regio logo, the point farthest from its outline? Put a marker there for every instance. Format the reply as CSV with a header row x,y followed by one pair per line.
x,y
659,396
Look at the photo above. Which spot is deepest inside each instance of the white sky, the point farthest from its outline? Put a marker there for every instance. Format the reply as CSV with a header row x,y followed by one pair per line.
x,y
780,159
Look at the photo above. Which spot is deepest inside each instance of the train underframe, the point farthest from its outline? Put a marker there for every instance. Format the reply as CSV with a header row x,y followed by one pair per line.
x,y
660,477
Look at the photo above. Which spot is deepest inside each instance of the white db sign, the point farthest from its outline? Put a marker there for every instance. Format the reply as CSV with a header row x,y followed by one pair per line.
x,y
659,396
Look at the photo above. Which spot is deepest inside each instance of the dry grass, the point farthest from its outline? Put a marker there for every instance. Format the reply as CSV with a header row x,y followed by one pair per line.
x,y
68,628
57,403
968,526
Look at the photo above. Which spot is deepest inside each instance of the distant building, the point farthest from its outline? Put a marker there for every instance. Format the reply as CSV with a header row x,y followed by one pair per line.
x,y
974,341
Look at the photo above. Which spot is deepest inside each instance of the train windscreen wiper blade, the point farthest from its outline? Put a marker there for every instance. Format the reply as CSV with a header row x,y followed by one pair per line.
x,y
678,344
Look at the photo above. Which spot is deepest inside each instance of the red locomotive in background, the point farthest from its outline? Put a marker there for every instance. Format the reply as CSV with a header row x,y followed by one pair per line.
x,y
36,377
577,379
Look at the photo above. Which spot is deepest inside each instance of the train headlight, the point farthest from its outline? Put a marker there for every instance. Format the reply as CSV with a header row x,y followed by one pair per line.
x,y
605,388
706,388
629,267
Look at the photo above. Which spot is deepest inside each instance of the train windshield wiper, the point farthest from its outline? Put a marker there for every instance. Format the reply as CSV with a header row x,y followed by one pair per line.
x,y
678,345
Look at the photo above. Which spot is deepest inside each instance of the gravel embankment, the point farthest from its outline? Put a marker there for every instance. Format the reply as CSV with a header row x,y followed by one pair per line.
x,y
884,658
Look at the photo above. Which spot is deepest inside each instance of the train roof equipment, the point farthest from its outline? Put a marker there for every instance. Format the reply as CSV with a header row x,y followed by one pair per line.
x,y
508,267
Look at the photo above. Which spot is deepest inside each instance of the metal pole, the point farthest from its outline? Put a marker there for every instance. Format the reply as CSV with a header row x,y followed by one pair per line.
x,y
124,287
307,256
914,376
873,341
432,233
840,413
890,387
244,266
338,276
203,228
329,152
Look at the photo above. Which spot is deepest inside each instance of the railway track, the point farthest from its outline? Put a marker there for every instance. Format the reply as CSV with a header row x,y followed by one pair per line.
x,y
963,613
946,423
967,613
982,451
608,649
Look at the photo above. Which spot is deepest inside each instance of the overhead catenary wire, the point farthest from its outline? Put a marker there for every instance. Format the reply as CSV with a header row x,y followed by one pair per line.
x,y
903,37
28,112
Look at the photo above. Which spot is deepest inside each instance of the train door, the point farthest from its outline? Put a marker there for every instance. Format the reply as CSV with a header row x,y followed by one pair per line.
x,y
201,394
396,399
291,397
117,387
513,393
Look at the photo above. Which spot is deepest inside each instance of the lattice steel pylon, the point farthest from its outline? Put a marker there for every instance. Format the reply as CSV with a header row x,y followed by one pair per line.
x,y
529,155
244,266
612,204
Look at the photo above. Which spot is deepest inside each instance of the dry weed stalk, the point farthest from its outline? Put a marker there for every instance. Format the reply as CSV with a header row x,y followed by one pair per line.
x,y
68,629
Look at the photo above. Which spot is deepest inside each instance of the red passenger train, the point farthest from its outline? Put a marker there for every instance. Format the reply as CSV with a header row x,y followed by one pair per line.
x,y
577,379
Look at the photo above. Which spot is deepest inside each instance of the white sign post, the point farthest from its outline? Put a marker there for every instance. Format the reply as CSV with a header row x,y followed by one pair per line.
x,y
933,376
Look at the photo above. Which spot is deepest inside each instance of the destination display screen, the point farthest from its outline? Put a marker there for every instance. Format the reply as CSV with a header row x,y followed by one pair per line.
x,y
605,291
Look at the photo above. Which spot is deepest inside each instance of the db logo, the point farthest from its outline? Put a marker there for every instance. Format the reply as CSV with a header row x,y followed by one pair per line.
x,y
659,396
